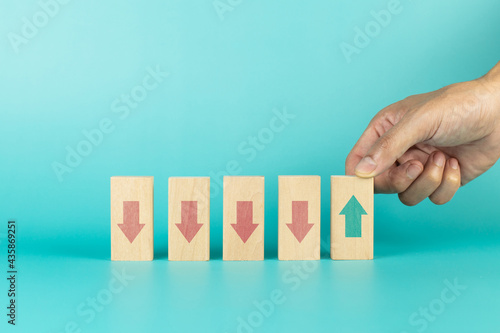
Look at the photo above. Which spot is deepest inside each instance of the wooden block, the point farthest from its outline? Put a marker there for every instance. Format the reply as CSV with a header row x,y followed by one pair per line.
x,y
352,218
299,215
189,218
243,218
132,218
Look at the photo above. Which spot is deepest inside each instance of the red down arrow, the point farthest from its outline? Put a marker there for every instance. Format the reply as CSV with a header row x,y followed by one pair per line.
x,y
244,218
131,226
299,226
189,226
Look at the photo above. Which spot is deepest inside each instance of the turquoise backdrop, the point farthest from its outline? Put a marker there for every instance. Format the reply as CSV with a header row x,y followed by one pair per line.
x,y
191,88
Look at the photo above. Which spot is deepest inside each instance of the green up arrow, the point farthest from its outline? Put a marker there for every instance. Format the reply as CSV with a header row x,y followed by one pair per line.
x,y
353,211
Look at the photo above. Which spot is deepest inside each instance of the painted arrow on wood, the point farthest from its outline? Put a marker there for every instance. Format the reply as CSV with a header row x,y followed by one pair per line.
x,y
244,218
299,226
131,226
189,226
353,211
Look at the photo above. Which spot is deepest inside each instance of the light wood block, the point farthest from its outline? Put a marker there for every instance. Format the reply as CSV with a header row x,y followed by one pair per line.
x,y
352,218
299,215
132,218
189,218
243,218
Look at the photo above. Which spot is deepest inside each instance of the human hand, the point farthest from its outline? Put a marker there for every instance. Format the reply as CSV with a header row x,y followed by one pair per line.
x,y
428,145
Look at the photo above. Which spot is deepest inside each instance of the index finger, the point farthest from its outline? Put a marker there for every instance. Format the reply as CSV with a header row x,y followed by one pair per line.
x,y
383,121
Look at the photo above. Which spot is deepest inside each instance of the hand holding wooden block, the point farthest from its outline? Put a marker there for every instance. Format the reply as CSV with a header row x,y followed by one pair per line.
x,y
131,218
189,218
352,218
243,229
299,218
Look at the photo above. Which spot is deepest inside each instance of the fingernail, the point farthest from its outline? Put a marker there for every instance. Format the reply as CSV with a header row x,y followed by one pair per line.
x,y
454,164
413,171
439,159
366,165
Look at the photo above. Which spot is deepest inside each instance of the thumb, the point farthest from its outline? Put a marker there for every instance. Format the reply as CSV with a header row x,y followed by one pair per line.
x,y
409,131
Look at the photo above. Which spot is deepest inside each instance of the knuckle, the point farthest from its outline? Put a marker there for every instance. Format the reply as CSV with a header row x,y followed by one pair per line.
x,y
385,142
398,182
406,200
439,200
453,180
434,178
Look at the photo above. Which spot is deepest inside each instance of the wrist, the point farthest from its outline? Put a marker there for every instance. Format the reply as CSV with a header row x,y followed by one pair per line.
x,y
492,78
491,86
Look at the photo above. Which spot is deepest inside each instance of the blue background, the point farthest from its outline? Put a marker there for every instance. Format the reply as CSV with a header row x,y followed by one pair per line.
x,y
226,76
